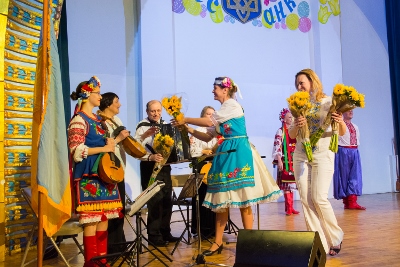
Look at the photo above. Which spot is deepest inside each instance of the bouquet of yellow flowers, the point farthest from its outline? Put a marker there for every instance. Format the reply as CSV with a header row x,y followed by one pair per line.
x,y
163,145
173,106
344,98
299,105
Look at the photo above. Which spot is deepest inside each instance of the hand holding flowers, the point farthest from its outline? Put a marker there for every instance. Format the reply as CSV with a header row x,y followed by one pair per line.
x,y
344,98
299,105
173,106
162,145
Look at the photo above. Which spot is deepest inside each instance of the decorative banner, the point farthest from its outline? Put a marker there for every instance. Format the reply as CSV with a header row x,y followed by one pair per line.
x,y
242,10
278,14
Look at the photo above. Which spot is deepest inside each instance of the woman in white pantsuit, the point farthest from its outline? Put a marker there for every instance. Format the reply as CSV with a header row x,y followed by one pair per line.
x,y
314,178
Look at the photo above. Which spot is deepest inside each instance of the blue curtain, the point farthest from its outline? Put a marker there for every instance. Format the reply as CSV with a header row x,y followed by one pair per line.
x,y
62,44
393,32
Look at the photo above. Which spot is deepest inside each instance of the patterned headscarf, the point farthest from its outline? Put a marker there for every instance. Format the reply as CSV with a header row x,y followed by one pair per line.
x,y
283,113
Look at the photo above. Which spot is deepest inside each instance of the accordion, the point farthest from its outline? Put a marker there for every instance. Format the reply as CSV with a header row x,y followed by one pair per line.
x,y
181,149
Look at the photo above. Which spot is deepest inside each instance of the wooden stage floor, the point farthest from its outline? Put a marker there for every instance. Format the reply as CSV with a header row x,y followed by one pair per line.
x,y
372,237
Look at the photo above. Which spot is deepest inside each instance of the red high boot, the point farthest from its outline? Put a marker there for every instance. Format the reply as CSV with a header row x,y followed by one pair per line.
x,y
288,207
102,237
291,198
346,202
353,205
90,250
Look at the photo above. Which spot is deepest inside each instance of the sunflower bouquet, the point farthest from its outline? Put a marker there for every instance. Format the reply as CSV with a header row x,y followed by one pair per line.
x,y
344,98
163,145
173,106
299,105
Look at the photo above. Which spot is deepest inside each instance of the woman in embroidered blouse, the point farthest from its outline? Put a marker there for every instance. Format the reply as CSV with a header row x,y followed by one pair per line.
x,y
109,106
314,178
238,179
283,158
96,202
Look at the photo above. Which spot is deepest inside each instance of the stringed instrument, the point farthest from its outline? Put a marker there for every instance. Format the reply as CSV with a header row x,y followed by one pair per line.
x,y
131,146
110,169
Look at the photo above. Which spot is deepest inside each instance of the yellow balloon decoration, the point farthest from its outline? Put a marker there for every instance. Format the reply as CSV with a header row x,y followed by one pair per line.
x,y
192,7
218,15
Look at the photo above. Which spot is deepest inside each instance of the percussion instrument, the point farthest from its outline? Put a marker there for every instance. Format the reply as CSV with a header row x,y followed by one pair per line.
x,y
131,146
110,169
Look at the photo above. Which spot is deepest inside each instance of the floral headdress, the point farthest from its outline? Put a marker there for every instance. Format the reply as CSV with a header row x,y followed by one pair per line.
x,y
283,113
86,89
226,82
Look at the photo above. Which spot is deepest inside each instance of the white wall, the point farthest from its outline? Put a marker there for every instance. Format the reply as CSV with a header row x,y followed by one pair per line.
x,y
184,53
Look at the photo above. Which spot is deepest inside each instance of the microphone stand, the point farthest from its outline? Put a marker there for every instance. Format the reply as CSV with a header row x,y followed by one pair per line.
x,y
199,259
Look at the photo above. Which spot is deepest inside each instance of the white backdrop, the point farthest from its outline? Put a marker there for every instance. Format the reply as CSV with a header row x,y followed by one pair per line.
x,y
166,52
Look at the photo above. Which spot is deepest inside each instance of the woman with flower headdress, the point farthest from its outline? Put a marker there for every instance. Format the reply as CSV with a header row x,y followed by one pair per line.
x,y
96,201
283,158
313,178
238,177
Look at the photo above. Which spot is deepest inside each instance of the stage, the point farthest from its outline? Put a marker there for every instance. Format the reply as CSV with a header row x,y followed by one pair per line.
x,y
371,236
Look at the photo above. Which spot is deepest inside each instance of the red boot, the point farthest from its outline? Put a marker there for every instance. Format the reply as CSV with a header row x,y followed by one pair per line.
x,y
353,205
346,202
102,237
288,208
291,199
90,250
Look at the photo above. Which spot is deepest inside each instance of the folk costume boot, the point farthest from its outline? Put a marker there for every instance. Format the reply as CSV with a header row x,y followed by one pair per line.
x,y
346,202
353,205
291,199
90,250
102,237
288,210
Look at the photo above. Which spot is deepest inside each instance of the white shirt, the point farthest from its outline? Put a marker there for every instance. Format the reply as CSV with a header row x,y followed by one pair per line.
x,y
119,149
197,146
344,140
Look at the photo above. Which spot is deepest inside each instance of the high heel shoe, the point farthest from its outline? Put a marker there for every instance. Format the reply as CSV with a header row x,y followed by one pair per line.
x,y
209,252
334,251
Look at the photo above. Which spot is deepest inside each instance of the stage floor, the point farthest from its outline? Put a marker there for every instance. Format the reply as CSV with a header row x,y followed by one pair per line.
x,y
371,237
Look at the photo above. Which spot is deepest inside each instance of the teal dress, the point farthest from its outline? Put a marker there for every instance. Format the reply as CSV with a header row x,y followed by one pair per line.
x,y
238,178
232,170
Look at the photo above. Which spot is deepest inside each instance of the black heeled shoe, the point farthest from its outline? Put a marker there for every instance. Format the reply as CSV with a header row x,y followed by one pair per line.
x,y
334,251
209,252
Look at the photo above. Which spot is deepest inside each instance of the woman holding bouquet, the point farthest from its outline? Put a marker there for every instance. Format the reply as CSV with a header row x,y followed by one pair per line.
x,y
96,201
282,154
314,178
238,179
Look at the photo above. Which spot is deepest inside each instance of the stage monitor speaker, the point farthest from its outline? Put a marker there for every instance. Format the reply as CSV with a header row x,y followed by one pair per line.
x,y
263,248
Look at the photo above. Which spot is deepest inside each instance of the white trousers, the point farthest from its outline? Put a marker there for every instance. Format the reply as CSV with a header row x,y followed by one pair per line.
x,y
313,180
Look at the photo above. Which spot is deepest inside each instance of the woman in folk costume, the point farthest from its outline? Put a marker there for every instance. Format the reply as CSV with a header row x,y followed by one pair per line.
x,y
96,201
283,157
238,179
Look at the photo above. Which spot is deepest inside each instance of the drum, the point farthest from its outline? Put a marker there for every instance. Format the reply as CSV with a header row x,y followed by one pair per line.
x,y
181,149
204,170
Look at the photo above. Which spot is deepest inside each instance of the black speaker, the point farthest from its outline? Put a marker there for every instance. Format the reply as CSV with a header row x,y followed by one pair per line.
x,y
256,248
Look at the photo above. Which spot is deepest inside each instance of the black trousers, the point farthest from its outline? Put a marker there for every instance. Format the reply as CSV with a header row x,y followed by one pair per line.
x,y
116,226
159,206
